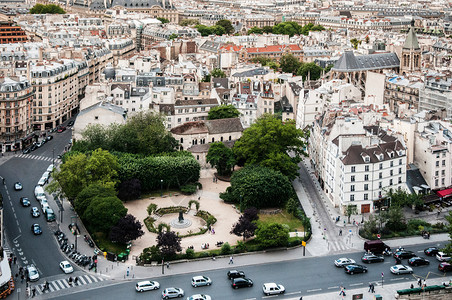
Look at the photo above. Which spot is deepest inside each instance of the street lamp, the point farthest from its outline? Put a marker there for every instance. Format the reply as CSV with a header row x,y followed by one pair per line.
x,y
161,187
53,157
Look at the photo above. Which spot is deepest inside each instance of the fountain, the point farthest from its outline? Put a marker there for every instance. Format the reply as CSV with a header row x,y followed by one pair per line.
x,y
180,222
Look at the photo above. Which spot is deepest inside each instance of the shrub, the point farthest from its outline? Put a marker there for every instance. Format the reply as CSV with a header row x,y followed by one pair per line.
x,y
241,246
226,249
196,203
205,215
150,254
152,208
189,253
414,224
188,189
170,210
149,223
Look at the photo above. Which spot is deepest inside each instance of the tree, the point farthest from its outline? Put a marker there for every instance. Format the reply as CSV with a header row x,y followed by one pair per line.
x,y
396,219
448,248
223,112
173,36
47,9
217,73
287,28
350,210
103,213
272,235
129,189
227,25
328,68
90,192
188,22
204,30
255,30
258,186
311,69
168,243
267,29
292,206
246,225
221,157
367,39
289,63
127,229
354,42
163,20
218,30
268,142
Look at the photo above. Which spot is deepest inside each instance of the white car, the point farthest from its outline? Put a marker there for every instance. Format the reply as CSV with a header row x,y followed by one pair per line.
x,y
147,286
33,274
200,281
42,181
199,297
273,289
401,269
66,267
441,256
172,292
46,175
342,262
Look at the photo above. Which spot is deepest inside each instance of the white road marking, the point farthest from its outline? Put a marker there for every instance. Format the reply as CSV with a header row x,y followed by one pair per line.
x,y
353,284
314,290
293,293
395,279
333,287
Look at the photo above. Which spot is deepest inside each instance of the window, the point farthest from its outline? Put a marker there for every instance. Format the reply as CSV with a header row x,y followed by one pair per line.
x,y
96,118
352,197
366,168
400,180
366,196
366,187
400,161
366,177
444,163
380,175
391,163
352,179
443,172
436,182
179,120
391,172
390,181
381,166
437,163
353,169
352,188
400,170
380,185
442,181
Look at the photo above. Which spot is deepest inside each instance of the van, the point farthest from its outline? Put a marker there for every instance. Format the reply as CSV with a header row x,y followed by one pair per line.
x,y
376,247
39,193
50,215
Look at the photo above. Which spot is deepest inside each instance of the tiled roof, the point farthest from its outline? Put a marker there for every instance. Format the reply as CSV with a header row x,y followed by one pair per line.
x,y
224,125
354,154
273,48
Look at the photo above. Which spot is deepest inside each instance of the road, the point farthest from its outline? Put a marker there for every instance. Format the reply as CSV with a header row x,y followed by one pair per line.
x,y
40,250
314,275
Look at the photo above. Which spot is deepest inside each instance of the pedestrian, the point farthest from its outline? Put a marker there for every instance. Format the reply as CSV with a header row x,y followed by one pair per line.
x,y
213,179
419,281
75,280
22,277
199,198
342,292
128,270
373,288
21,270
231,260
370,287
340,232
411,286
213,231
398,261
167,264
33,292
70,281
15,259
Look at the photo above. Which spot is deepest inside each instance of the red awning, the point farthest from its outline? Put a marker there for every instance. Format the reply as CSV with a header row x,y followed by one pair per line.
x,y
444,193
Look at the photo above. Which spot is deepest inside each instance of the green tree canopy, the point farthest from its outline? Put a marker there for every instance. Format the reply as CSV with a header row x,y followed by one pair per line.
x,y
103,213
269,141
255,30
173,36
350,210
217,73
289,63
258,186
227,25
314,71
163,20
168,243
46,9
188,22
223,112
90,192
267,29
354,42
272,235
448,248
221,157
287,28
204,30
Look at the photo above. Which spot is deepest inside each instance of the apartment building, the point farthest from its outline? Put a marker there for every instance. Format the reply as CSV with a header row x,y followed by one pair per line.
x,y
401,90
10,33
436,94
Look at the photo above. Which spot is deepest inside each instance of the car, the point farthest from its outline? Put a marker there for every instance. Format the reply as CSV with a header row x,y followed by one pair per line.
x,y
61,129
404,254
70,123
200,281
401,269
50,168
24,201
66,267
354,268
36,229
241,282
35,212
199,297
172,292
235,274
32,273
147,286
371,258
46,175
44,207
18,186
272,288
418,261
41,143
42,181
444,267
43,202
49,137
342,262
34,147
441,256
431,251
26,150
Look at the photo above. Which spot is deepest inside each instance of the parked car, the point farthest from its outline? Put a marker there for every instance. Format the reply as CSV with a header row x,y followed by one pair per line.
x,y
49,214
36,229
18,186
46,175
44,207
35,212
404,254
61,129
42,181
49,137
352,269
199,297
26,150
41,143
431,251
401,269
418,261
273,289
441,256
70,123
32,273
34,147
200,281
66,267
342,262
445,267
147,286
172,292
372,258
24,201
50,168
241,282
235,274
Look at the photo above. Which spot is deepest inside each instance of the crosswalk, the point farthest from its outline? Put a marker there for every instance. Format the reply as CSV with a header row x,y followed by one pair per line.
x,y
61,284
38,157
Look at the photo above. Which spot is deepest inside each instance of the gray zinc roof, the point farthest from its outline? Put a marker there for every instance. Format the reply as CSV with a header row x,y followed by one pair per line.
x,y
348,62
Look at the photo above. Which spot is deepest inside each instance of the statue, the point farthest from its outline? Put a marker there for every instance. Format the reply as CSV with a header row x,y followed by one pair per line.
x,y
181,217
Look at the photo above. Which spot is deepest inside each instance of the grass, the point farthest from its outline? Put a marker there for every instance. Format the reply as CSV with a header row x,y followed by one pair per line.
x,y
104,244
283,218
156,193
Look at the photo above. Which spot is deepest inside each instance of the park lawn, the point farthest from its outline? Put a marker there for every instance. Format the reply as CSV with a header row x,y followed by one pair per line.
x,y
283,218
105,245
